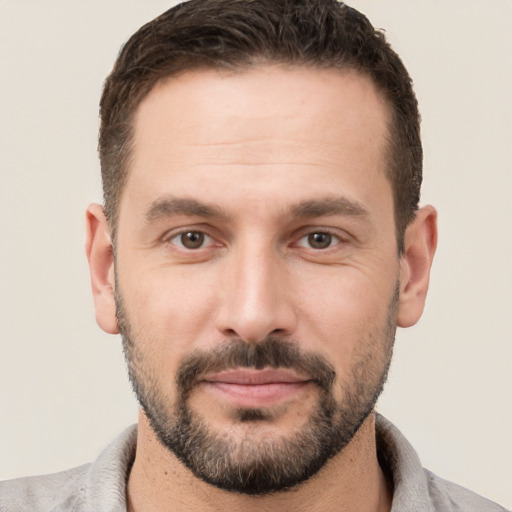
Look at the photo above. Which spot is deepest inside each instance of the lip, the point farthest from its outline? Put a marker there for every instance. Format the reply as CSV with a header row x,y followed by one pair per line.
x,y
255,388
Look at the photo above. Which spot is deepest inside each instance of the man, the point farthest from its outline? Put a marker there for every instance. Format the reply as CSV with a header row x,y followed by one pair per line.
x,y
259,243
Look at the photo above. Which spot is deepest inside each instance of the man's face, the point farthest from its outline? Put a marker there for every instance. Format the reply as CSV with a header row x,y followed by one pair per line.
x,y
257,269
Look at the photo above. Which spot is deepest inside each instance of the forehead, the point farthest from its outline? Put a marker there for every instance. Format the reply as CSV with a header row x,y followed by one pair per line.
x,y
258,129
202,100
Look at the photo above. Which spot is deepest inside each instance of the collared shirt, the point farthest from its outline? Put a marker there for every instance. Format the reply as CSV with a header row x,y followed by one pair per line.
x,y
101,485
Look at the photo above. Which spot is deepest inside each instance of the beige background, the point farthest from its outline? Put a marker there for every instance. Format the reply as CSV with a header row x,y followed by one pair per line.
x,y
64,391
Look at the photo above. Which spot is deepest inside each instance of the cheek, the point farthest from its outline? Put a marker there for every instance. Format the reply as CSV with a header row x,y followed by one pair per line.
x,y
169,313
345,315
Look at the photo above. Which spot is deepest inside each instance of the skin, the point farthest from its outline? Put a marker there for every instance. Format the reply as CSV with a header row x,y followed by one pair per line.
x,y
257,146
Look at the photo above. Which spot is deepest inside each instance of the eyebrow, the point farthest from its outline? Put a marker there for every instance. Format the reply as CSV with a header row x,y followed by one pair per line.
x,y
169,206
329,206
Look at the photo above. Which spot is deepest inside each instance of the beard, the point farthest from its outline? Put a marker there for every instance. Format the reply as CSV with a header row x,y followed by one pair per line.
x,y
254,464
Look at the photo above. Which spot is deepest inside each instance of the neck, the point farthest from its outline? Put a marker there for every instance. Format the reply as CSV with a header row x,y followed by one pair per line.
x,y
352,480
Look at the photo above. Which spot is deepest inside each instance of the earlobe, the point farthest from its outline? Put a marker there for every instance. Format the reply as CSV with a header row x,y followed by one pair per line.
x,y
101,267
415,264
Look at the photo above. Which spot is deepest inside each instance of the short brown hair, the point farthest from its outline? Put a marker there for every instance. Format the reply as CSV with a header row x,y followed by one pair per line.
x,y
232,34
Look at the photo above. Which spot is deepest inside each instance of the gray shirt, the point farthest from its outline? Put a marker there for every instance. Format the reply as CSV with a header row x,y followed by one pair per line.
x,y
101,485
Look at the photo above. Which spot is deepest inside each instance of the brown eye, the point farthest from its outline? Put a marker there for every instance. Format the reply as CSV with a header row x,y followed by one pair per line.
x,y
319,240
190,239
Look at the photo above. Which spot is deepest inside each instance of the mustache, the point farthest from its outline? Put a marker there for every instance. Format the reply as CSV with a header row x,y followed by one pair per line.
x,y
269,353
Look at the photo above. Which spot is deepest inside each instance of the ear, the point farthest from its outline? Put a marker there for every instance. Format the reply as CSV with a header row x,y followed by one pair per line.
x,y
100,255
420,245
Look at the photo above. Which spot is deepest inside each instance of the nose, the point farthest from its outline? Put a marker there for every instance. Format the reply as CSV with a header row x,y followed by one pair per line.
x,y
256,300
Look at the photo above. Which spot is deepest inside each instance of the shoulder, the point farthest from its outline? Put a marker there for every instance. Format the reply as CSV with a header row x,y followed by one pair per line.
x,y
38,493
450,497
100,485
416,488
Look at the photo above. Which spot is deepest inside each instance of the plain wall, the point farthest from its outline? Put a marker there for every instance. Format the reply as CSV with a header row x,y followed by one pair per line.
x,y
64,392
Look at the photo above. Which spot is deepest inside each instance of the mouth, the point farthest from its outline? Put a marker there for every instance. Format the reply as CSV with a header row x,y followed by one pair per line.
x,y
256,388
